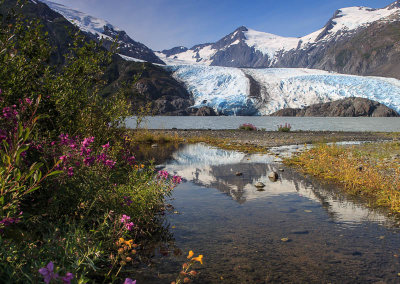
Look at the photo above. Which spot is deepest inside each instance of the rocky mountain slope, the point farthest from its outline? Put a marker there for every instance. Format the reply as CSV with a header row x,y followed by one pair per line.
x,y
356,40
349,107
98,29
155,85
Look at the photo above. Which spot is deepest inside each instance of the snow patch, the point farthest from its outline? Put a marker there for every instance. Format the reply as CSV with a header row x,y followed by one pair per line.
x,y
269,44
128,58
83,21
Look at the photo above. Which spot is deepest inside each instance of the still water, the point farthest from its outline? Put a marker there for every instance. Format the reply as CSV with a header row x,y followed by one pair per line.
x,y
381,124
294,230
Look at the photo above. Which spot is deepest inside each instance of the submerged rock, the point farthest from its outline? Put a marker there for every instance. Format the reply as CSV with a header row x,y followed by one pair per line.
x,y
273,176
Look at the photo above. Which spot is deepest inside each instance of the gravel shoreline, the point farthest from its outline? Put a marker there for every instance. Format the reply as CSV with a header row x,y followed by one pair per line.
x,y
275,138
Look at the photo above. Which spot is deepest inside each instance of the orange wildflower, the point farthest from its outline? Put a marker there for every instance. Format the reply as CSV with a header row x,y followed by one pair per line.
x,y
190,255
199,258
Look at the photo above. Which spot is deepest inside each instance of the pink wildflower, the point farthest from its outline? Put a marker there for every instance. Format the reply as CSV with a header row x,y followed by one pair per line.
x,y
28,101
125,218
176,179
129,281
110,163
163,174
129,226
86,142
88,161
131,160
70,171
106,146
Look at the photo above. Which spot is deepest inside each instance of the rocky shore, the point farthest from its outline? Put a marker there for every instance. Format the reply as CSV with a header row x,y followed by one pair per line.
x,y
275,138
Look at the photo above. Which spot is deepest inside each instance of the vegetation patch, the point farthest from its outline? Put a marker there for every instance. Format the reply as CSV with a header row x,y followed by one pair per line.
x,y
371,170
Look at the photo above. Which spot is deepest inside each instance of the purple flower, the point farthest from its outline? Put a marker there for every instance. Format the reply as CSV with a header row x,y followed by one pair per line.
x,y
67,278
28,101
129,281
127,200
48,273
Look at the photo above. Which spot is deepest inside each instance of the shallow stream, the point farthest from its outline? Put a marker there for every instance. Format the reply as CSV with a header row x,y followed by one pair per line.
x,y
294,230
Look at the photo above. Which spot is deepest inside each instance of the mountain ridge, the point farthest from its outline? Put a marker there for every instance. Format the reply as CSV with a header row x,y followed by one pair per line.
x,y
99,29
331,48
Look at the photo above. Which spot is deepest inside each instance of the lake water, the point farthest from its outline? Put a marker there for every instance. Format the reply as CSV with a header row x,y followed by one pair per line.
x,y
294,230
381,124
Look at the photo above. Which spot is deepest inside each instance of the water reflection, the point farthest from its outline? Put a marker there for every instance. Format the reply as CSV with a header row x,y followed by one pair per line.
x,y
216,168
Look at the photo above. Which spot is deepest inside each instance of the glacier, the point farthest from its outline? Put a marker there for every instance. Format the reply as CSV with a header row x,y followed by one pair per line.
x,y
227,89
224,89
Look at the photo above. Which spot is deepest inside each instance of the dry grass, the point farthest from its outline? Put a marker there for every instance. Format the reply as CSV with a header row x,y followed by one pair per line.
x,y
371,171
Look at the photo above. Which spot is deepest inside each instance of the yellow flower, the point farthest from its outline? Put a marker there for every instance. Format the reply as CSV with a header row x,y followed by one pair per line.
x,y
129,243
191,253
142,166
199,258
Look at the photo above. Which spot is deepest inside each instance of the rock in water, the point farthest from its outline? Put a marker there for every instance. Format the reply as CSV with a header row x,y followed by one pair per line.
x,y
259,184
273,176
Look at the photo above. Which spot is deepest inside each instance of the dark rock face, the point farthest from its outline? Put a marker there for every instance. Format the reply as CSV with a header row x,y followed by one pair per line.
x,y
155,85
205,111
174,50
349,107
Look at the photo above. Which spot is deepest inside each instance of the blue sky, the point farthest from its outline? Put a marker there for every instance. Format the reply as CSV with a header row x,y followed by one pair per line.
x,y
162,24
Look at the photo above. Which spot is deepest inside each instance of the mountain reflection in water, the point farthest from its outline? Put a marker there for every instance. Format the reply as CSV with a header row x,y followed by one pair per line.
x,y
216,168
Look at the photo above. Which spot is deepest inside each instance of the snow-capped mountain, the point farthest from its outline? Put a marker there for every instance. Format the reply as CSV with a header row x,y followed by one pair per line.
x,y
235,91
101,29
333,47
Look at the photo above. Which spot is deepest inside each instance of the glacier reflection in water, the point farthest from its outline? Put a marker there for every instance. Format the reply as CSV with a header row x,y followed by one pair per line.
x,y
216,168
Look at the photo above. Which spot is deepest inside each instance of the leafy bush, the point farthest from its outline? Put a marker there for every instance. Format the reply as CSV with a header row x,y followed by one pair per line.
x,y
248,126
284,128
75,204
